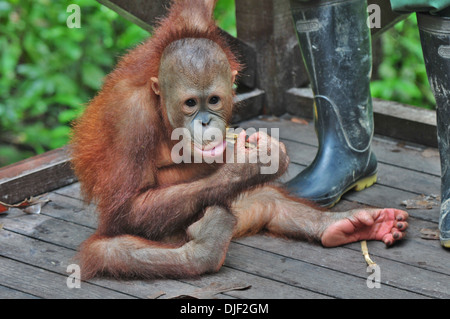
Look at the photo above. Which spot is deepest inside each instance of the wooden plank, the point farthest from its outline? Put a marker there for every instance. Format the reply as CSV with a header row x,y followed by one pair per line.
x,y
394,272
261,287
391,119
25,247
413,251
404,122
413,158
306,275
8,293
299,102
70,209
30,245
35,176
46,284
46,228
55,259
72,190
382,196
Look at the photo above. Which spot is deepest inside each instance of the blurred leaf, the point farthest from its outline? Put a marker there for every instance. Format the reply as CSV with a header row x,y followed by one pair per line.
x,y
92,75
70,49
64,84
225,16
10,154
4,6
67,116
402,74
59,136
127,40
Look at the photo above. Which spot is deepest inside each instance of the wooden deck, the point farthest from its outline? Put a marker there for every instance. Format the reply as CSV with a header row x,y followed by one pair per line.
x,y
35,250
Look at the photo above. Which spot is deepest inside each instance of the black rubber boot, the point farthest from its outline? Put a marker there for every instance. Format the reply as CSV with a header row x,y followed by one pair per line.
x,y
435,38
336,47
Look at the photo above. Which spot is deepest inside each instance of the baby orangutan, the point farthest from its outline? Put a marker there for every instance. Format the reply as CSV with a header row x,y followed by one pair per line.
x,y
161,218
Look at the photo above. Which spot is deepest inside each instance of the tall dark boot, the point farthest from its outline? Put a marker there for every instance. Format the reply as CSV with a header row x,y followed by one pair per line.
x,y
435,38
336,47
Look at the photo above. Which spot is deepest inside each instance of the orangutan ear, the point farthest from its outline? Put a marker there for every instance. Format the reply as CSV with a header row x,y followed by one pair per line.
x,y
233,76
155,85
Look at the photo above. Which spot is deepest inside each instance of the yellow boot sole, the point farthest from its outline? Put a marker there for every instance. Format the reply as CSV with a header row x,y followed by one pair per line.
x,y
445,243
360,185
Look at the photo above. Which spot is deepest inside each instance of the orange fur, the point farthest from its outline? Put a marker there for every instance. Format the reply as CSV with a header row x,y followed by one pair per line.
x,y
120,154
116,141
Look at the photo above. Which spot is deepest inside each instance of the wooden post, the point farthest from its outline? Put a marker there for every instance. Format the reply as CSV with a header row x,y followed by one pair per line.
x,y
266,25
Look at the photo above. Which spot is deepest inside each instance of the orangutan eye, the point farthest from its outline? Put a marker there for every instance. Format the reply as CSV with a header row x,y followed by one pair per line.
x,y
214,100
190,103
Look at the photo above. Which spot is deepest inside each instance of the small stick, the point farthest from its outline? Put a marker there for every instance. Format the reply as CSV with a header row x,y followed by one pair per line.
x,y
232,138
365,252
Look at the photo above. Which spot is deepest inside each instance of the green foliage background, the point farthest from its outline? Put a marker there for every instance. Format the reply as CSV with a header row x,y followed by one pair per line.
x,y
401,76
48,72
